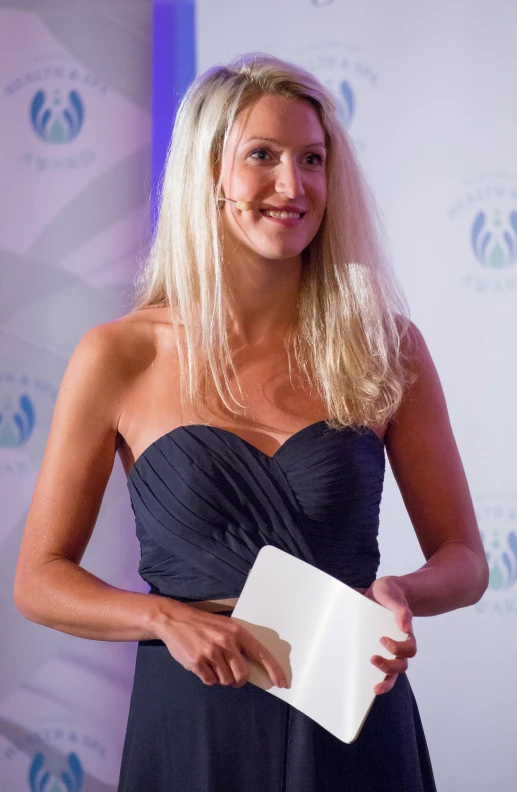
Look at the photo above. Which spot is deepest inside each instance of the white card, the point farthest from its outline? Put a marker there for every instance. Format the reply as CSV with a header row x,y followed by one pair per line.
x,y
323,634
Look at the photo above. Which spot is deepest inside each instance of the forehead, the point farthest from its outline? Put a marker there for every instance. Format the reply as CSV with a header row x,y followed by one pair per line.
x,y
293,122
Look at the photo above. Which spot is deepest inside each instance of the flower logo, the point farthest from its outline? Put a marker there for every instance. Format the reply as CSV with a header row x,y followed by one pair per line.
x,y
16,422
502,559
345,104
495,243
41,779
54,119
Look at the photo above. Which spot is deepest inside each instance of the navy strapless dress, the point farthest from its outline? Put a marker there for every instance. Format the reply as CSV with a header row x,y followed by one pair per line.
x,y
205,502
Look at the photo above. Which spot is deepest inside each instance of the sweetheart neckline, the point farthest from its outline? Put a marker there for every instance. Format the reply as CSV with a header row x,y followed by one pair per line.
x,y
271,457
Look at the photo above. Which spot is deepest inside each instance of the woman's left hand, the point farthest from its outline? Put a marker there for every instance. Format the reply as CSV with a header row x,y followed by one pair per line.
x,y
387,592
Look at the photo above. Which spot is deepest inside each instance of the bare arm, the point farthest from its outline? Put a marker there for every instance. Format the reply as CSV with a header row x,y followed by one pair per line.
x,y
50,586
429,472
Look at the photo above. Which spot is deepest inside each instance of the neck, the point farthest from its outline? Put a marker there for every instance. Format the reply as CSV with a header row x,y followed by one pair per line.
x,y
263,297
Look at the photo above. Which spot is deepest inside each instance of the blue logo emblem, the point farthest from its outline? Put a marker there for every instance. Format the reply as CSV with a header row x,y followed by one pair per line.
x,y
502,560
41,779
55,120
345,104
16,424
495,244
346,73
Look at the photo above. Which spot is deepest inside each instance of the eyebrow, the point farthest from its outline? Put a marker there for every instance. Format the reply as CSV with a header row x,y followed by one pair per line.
x,y
274,140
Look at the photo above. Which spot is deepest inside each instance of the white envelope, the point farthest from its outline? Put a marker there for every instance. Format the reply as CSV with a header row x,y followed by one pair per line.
x,y
323,634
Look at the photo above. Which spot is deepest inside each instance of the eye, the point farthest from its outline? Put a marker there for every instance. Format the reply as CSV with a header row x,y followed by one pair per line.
x,y
258,151
261,154
319,158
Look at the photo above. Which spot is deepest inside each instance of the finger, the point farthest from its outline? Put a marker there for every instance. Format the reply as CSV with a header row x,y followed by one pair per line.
x,y
206,673
220,665
239,668
404,617
386,686
400,609
258,652
213,668
396,666
405,648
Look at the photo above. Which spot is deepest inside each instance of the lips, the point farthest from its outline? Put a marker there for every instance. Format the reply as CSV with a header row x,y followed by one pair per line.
x,y
289,211
288,221
294,209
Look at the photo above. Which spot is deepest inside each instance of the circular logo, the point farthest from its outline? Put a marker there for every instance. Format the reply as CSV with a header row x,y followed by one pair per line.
x,y
487,213
17,418
52,93
494,238
57,117
500,542
497,519
46,775
27,404
342,69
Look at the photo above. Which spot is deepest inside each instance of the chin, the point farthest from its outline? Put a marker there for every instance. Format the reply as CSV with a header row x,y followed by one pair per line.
x,y
279,252
282,255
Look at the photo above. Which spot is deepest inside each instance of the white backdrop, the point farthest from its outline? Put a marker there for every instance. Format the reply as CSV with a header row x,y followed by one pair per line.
x,y
427,93
75,133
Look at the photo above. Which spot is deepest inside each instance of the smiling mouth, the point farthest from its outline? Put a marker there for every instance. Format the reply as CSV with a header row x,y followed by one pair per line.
x,y
278,214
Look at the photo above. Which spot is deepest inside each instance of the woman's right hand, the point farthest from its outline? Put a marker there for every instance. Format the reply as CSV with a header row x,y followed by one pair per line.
x,y
213,646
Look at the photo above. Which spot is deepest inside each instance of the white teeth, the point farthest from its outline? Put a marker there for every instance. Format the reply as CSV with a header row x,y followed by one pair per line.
x,y
283,215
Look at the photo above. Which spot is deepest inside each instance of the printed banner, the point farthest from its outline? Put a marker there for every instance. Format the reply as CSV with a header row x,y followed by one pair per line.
x,y
75,93
426,93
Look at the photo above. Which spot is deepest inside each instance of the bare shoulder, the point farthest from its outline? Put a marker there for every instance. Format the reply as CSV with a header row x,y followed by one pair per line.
x,y
100,377
104,357
140,327
141,335
82,441
81,445
124,348
146,342
424,392
93,389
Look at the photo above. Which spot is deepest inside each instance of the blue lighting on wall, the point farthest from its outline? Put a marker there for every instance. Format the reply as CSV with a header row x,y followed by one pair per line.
x,y
174,68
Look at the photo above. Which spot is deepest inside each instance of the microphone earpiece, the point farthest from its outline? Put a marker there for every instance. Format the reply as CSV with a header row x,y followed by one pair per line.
x,y
242,206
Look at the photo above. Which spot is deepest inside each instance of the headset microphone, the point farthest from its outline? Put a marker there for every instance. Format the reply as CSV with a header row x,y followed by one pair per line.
x,y
242,206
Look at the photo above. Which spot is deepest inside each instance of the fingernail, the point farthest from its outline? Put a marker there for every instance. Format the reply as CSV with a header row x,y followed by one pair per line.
x,y
384,641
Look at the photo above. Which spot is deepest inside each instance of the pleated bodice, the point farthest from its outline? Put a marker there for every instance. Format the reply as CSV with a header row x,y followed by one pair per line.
x,y
205,501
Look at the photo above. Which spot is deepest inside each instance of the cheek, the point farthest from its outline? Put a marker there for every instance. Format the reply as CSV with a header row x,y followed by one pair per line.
x,y
320,200
254,178
318,189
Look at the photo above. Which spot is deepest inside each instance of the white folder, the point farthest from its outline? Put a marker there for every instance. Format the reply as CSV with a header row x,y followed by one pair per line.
x,y
323,634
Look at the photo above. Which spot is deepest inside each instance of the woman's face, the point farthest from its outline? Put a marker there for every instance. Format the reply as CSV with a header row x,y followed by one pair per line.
x,y
275,159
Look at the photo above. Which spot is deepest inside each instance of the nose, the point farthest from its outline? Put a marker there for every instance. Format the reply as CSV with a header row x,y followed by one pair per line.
x,y
289,179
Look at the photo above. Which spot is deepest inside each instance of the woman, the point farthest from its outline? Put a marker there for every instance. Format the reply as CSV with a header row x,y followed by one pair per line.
x,y
250,394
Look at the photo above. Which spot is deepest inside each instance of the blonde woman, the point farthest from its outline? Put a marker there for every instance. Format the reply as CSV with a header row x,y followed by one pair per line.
x,y
251,393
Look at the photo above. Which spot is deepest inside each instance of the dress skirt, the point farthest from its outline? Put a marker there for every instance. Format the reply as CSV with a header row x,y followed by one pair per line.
x,y
185,736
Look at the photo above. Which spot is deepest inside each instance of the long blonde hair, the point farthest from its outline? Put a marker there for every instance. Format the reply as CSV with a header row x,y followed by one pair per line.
x,y
351,316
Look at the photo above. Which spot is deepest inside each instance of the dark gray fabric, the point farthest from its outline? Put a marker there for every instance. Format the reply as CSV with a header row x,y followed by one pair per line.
x,y
205,502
